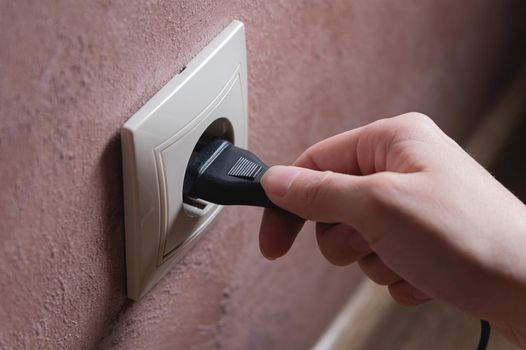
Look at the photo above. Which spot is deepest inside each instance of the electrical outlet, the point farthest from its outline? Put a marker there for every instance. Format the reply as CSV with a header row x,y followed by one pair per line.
x,y
208,99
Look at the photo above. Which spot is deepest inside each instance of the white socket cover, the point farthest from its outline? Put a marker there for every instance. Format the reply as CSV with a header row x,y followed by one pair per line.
x,y
210,95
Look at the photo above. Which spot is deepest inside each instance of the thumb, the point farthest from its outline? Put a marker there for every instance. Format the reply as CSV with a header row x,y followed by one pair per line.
x,y
313,195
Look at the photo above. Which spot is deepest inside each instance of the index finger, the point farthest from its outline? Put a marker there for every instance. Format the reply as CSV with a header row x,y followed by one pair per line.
x,y
337,153
278,228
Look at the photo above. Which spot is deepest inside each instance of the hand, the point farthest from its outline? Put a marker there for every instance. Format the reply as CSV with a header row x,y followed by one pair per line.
x,y
415,211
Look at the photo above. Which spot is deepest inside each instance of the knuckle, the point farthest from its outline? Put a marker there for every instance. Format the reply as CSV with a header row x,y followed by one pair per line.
x,y
315,187
419,117
420,121
406,119
382,125
307,158
408,126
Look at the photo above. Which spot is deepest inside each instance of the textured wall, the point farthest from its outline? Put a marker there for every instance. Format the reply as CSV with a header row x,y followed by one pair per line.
x,y
72,72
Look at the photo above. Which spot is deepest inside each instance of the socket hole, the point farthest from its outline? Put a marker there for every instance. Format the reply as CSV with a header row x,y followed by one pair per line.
x,y
219,129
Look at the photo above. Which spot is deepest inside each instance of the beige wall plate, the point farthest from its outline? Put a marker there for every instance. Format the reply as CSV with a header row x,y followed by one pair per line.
x,y
207,99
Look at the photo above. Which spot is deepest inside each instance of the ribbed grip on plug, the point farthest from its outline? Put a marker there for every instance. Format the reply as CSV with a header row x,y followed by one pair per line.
x,y
245,169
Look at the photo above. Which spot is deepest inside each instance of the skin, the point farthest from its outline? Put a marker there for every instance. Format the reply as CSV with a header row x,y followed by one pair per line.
x,y
415,211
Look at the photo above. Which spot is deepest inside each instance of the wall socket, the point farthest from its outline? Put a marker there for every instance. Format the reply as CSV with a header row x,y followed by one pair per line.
x,y
206,100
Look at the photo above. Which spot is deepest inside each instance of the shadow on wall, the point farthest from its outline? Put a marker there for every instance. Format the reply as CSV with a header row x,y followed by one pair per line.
x,y
116,302
510,168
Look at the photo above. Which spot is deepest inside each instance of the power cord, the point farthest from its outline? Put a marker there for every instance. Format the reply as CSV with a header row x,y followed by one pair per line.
x,y
485,330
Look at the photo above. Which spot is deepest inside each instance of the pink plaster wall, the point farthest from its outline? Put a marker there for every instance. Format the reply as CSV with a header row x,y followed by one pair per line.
x,y
72,72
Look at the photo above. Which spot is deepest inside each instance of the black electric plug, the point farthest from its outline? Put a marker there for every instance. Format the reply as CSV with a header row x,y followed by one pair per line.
x,y
222,173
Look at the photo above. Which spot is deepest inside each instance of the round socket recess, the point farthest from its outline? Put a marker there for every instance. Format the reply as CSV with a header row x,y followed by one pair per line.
x,y
207,99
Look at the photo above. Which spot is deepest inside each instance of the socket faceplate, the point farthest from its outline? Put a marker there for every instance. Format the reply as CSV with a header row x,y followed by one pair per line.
x,y
209,96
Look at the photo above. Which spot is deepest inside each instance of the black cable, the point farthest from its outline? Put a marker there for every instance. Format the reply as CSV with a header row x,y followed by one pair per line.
x,y
485,329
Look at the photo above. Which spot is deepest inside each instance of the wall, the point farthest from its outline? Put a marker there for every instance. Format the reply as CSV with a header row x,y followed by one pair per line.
x,y
72,72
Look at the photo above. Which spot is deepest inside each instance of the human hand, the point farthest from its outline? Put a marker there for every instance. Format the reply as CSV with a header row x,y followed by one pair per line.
x,y
415,211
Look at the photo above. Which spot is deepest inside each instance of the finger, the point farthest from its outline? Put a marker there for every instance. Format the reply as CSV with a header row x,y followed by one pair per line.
x,y
277,232
364,150
337,153
406,294
340,244
377,271
314,195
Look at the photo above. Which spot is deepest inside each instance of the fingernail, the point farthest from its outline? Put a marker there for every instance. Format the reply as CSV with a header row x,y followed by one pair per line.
x,y
358,244
419,295
278,179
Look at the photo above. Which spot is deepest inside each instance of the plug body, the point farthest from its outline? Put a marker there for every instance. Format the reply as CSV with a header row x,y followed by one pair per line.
x,y
222,173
